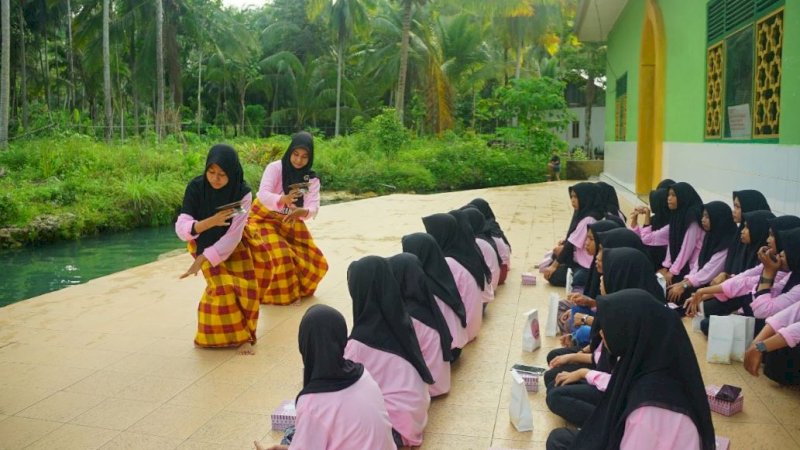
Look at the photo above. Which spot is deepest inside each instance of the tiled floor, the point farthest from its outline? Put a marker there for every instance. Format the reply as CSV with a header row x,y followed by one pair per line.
x,y
110,364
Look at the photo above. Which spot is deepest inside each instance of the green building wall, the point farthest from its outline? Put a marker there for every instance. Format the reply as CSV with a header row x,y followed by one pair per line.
x,y
685,71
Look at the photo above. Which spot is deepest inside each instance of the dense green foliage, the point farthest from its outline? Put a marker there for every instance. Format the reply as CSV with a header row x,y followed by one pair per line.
x,y
68,187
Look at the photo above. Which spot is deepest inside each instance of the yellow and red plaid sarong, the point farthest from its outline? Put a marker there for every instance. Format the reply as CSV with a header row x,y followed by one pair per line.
x,y
228,312
296,266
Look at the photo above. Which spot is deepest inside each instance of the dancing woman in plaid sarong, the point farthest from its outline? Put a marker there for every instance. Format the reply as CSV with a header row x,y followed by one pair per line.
x,y
223,249
287,197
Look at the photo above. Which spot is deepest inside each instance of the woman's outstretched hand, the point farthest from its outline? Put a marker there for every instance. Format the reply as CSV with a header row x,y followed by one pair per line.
x,y
195,267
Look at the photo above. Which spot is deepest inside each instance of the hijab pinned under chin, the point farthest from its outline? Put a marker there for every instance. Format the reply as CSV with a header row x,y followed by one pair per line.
x,y
689,210
322,338
291,175
721,233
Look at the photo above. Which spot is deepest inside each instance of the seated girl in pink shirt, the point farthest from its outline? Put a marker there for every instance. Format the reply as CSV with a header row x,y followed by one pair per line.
x,y
465,263
429,324
340,407
384,341
741,256
655,398
486,244
766,301
439,280
503,246
654,231
223,250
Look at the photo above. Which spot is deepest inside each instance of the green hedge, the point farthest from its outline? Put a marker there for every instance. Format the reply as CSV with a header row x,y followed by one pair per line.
x,y
63,188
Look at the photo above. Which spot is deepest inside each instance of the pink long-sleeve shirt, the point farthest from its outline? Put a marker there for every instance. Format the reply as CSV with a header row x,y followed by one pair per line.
x,y
653,238
504,250
701,276
787,324
578,239
657,428
271,190
459,333
222,249
490,257
405,395
471,296
772,302
335,420
597,378
431,347
744,283
690,250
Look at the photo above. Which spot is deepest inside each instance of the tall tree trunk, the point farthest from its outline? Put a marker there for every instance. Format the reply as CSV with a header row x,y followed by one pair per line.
x,y
517,75
47,75
401,79
173,61
5,69
23,71
242,94
160,69
590,94
133,64
71,57
199,116
109,117
339,71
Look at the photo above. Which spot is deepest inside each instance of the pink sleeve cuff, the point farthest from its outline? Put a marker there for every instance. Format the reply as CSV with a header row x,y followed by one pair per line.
x,y
598,379
183,227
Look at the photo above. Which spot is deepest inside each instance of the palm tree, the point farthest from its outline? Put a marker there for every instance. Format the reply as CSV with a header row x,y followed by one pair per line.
x,y
5,72
159,68
345,17
107,70
401,78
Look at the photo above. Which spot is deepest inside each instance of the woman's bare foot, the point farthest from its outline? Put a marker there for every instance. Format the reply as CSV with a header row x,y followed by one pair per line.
x,y
566,340
247,349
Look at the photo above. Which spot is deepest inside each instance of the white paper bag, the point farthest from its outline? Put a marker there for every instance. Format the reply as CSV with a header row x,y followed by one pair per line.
x,y
696,322
519,410
720,339
743,328
530,334
552,316
662,282
568,285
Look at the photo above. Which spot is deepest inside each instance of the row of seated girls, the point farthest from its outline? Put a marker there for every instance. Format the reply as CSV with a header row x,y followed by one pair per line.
x,y
254,252
413,313
685,254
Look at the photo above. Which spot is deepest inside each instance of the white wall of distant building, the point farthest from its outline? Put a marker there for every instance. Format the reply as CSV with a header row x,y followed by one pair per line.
x,y
597,131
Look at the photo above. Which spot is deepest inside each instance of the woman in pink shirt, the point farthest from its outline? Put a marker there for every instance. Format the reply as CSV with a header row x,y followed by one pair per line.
x,y
685,234
503,246
470,254
570,253
439,280
384,341
340,407
654,232
742,256
466,264
720,232
223,249
766,302
429,324
655,398
288,196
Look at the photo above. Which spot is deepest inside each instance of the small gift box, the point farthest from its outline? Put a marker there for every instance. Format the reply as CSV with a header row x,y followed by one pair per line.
x,y
723,443
531,380
726,408
283,416
529,279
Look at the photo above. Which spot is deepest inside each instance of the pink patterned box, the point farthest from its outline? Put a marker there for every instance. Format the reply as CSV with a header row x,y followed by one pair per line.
x,y
529,279
283,416
723,443
531,380
721,406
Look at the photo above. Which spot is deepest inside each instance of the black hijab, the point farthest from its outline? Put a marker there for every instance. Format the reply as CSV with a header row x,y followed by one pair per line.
x,y
491,221
322,338
659,208
620,237
721,233
627,268
290,175
657,367
380,320
666,183
588,205
478,224
751,200
607,198
778,224
592,288
743,256
788,241
200,200
690,208
437,273
456,242
418,299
